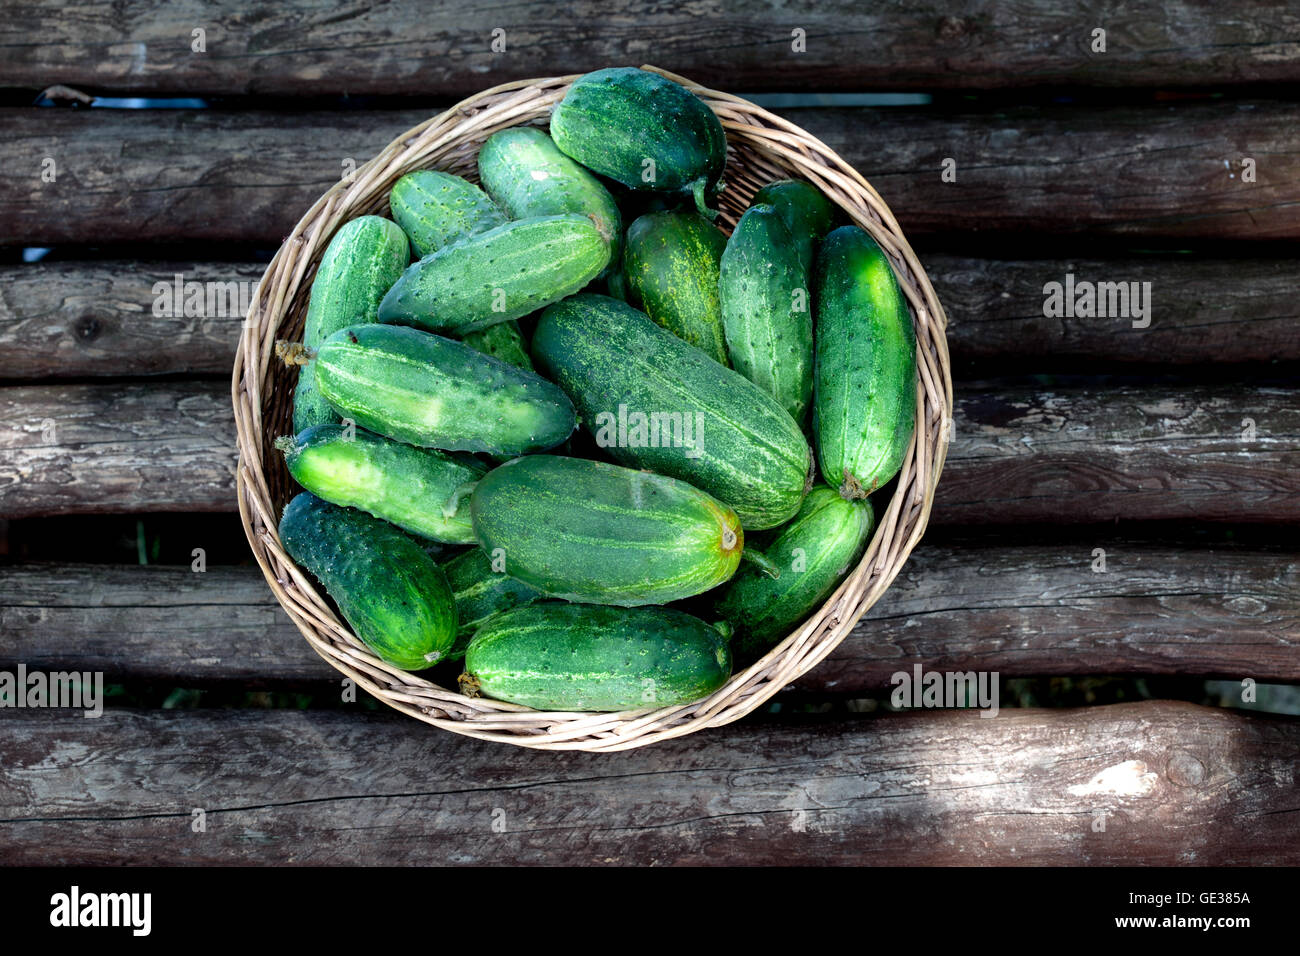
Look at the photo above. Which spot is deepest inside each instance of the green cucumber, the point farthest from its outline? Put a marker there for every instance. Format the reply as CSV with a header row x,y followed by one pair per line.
x,y
864,406
525,172
602,534
670,264
429,391
482,592
436,209
642,130
805,210
498,275
813,553
414,488
576,657
655,402
502,341
362,261
767,309
394,596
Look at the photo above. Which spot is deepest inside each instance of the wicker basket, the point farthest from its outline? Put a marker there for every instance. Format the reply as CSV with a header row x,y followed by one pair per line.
x,y
761,148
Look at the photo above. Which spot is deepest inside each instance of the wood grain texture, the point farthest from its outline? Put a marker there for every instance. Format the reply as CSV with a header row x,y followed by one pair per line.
x,y
1018,455
96,318
1173,783
1020,611
1136,173
315,47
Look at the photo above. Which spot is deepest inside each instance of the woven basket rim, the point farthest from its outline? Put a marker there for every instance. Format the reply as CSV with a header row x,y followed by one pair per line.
x,y
762,146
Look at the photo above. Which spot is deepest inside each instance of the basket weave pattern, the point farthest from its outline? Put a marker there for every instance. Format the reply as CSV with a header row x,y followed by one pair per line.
x,y
761,148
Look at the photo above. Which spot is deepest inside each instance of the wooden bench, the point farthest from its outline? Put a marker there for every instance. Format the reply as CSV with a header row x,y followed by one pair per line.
x,y
1118,500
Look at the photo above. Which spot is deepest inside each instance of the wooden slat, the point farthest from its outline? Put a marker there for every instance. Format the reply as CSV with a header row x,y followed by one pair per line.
x,y
314,47
1151,783
96,318
1135,173
1018,455
1020,611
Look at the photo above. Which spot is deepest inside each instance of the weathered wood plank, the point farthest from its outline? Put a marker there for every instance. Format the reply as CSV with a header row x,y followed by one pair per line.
x,y
96,318
1171,784
312,47
119,318
1018,455
1137,173
1020,611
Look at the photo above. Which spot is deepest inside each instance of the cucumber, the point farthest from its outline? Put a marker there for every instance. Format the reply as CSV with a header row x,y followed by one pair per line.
x,y
569,657
498,275
805,210
429,391
362,261
644,131
414,488
655,402
394,596
602,534
502,341
670,264
813,553
481,593
436,209
525,172
767,309
864,406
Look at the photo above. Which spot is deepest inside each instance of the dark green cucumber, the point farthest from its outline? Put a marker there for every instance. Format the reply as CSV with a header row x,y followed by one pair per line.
x,y
644,131
568,657
865,379
525,172
653,401
502,341
805,210
670,264
498,275
436,209
813,553
414,488
482,592
763,286
603,534
429,391
362,261
394,596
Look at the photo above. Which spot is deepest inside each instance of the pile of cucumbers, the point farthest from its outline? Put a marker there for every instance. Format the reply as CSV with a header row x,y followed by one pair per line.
x,y
537,420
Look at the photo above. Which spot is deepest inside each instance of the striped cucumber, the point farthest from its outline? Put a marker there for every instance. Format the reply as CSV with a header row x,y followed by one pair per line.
x,y
482,592
394,596
602,534
498,275
502,341
414,488
642,130
576,657
655,402
813,553
766,309
436,209
525,172
362,261
864,406
805,210
670,264
429,391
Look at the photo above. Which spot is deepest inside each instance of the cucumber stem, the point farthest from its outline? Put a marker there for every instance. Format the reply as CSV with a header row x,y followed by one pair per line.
x,y
453,503
697,190
760,561
293,353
